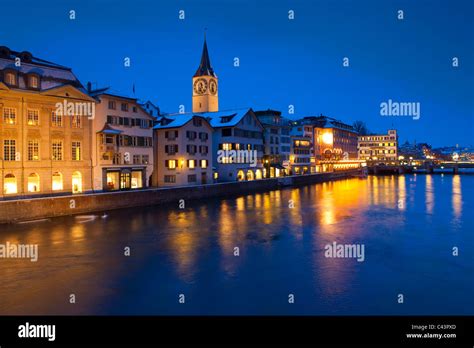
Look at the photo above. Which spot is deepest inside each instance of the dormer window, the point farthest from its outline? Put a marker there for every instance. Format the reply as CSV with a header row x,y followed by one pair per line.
x,y
10,78
33,81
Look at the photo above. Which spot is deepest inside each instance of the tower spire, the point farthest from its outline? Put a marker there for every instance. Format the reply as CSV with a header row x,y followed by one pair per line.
x,y
205,67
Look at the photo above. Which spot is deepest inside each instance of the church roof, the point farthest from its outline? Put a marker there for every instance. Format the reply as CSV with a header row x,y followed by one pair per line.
x,y
205,68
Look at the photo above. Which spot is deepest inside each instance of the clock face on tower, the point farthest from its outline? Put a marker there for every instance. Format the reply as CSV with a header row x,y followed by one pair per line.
x,y
200,86
213,87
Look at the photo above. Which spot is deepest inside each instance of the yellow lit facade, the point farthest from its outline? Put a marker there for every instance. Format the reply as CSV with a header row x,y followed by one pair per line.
x,y
379,147
43,148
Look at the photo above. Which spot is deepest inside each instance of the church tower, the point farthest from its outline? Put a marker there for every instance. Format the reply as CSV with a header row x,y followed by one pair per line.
x,y
205,96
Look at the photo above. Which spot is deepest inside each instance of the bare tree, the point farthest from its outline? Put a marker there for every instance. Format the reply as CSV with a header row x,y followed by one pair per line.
x,y
360,128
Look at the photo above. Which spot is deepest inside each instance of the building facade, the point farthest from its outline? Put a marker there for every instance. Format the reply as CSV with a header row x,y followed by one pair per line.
x,y
277,143
333,140
301,158
183,151
382,148
45,128
122,143
237,145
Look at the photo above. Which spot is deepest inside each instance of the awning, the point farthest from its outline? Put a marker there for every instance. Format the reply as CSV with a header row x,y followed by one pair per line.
x,y
109,130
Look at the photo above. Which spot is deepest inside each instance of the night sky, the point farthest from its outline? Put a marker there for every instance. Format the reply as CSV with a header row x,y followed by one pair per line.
x,y
282,62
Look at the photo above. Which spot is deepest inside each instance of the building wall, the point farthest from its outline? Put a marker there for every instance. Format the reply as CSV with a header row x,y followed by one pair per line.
x,y
300,158
182,170
379,147
228,172
100,165
343,144
44,133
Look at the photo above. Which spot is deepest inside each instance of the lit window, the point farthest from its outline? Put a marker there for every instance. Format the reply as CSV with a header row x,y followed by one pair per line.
x,y
76,150
57,181
203,163
33,117
33,183
33,150
33,81
112,180
9,115
191,164
10,78
171,164
9,184
57,147
137,181
76,182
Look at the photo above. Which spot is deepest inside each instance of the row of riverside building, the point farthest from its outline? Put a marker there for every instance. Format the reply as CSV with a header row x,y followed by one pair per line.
x,y
59,137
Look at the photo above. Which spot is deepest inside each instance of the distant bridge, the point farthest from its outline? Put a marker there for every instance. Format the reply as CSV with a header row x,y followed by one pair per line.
x,y
419,166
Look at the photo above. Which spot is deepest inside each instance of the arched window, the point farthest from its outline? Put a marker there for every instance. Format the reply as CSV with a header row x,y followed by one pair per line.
x,y
57,181
76,182
240,175
33,182
258,174
250,175
9,184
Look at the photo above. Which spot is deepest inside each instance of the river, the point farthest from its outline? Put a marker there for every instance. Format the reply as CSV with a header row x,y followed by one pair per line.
x,y
408,226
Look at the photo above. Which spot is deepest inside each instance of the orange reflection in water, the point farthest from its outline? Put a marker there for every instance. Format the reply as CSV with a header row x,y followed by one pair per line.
x,y
429,194
457,196
183,242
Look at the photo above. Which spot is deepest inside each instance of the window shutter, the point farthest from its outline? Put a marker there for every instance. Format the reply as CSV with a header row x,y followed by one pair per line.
x,y
166,149
175,134
167,163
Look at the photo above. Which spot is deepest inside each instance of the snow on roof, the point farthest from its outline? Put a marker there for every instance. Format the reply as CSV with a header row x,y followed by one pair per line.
x,y
51,76
226,118
112,92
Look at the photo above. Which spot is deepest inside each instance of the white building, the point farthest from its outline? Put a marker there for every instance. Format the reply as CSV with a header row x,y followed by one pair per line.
x,y
122,138
379,147
237,145
183,151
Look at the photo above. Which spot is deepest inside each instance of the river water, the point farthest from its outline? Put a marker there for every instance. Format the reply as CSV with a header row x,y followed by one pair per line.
x,y
408,226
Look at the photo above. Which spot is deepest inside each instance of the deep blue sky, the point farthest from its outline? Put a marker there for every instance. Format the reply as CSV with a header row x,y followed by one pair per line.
x,y
283,62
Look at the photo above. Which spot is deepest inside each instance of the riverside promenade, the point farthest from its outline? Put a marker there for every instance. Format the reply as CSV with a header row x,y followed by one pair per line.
x,y
22,210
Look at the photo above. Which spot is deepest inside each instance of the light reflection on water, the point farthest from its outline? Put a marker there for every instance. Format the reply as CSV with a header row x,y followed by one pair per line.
x,y
408,225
